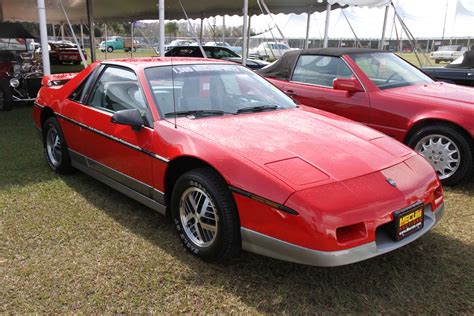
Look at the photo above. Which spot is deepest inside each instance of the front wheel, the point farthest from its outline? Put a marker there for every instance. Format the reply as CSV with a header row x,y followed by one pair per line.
x,y
448,151
205,215
6,99
55,148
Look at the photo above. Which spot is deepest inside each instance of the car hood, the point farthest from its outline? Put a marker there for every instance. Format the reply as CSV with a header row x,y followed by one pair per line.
x,y
302,147
438,92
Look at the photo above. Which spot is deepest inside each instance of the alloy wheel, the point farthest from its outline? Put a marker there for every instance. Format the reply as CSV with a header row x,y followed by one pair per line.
x,y
198,216
53,147
442,152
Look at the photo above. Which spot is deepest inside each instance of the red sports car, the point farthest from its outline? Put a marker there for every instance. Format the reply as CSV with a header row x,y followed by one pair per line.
x,y
236,163
385,92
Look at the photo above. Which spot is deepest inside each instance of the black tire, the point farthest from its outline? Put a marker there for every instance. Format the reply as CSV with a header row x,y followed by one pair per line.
x,y
6,98
437,61
134,49
227,241
62,165
110,49
464,144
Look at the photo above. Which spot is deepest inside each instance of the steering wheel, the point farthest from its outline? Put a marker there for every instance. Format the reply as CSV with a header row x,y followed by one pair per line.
x,y
391,76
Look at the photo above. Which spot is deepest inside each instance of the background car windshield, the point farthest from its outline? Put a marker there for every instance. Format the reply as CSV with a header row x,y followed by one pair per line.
x,y
389,71
278,46
15,44
217,87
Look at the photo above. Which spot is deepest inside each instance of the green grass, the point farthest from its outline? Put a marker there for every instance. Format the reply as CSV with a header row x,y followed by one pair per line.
x,y
71,244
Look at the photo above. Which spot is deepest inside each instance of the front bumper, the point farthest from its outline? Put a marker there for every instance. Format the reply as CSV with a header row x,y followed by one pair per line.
x,y
271,247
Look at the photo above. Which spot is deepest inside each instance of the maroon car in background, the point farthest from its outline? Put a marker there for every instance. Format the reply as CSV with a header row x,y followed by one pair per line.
x,y
387,93
63,52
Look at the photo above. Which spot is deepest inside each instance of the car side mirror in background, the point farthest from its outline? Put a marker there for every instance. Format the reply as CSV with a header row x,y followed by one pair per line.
x,y
347,84
131,117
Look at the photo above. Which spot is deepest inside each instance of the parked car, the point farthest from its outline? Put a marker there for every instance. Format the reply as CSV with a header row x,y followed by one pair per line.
x,y
236,163
460,71
215,52
174,43
385,92
119,43
235,49
448,53
269,50
20,74
62,52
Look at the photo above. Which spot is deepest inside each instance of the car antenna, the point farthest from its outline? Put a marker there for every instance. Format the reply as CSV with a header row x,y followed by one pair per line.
x,y
174,98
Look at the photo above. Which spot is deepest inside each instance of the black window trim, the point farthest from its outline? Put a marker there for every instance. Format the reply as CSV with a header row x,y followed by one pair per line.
x,y
104,67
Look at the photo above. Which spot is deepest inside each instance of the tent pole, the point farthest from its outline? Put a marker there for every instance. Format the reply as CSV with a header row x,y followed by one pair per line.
x,y
161,17
223,28
90,21
248,35
61,29
54,31
131,34
308,24
200,31
382,40
244,31
82,35
105,33
326,27
44,37
83,58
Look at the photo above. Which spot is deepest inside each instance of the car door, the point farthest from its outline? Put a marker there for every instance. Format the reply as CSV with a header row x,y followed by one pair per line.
x,y
312,85
119,152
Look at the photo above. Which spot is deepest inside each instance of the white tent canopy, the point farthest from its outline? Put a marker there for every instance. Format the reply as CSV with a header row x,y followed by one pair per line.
x,y
368,23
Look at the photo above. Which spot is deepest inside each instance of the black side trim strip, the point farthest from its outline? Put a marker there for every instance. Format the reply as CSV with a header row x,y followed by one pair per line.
x,y
121,141
263,200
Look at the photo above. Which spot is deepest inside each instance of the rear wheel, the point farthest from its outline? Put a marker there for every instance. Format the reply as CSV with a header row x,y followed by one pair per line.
x,y
55,148
205,215
6,99
448,151
110,49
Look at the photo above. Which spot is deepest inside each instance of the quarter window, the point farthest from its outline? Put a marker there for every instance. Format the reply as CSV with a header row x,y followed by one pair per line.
x,y
320,70
118,89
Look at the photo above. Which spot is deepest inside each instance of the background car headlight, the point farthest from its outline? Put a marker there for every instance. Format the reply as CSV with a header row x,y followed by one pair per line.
x,y
14,82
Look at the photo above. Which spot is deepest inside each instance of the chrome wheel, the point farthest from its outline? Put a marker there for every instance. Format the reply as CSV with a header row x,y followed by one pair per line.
x,y
198,216
442,152
53,147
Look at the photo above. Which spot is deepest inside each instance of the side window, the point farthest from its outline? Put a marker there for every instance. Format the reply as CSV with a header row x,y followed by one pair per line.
x,y
83,91
117,89
320,70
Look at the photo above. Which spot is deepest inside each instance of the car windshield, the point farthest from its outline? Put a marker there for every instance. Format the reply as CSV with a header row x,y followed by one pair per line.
x,y
389,71
213,89
278,46
13,44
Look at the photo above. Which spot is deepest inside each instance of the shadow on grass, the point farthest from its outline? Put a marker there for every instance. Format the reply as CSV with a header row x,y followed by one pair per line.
x,y
432,275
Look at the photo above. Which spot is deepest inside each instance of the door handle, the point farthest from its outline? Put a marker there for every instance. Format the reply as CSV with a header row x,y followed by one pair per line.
x,y
290,93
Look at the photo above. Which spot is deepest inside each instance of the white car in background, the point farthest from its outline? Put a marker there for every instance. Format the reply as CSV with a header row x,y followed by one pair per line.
x,y
270,50
448,53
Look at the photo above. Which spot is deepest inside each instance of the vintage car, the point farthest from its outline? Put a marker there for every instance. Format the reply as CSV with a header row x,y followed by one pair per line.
x,y
20,74
387,93
62,52
448,53
235,162
460,71
269,50
119,43
216,52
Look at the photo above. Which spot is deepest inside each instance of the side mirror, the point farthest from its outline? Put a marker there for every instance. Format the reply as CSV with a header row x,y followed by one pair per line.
x,y
131,117
347,84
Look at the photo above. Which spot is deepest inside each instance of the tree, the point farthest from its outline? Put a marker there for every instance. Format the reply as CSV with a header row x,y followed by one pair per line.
x,y
172,28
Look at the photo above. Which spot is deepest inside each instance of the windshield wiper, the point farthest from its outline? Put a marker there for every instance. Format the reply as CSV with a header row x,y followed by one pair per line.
x,y
258,108
198,113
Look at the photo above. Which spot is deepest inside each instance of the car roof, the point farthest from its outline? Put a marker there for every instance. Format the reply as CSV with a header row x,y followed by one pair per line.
x,y
146,62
